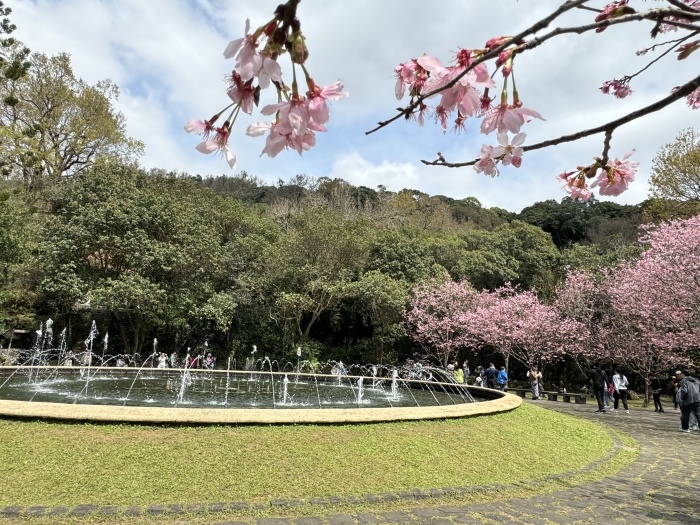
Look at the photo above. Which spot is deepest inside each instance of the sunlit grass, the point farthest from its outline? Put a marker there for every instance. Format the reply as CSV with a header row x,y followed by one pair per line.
x,y
67,464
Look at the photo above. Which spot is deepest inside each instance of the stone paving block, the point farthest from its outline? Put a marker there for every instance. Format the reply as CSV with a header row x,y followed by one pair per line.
x,y
218,507
341,519
239,505
273,521
59,511
366,518
175,509
108,510
155,510
11,512
373,498
37,510
321,502
133,511
83,510
309,521
426,513
451,511
396,517
196,508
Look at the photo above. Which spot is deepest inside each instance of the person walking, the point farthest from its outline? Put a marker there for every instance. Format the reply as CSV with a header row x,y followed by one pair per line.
x,y
534,375
655,386
491,374
598,380
620,384
502,379
688,398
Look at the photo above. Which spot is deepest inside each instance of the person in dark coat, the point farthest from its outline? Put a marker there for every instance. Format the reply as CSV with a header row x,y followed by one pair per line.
x,y
688,398
655,386
598,379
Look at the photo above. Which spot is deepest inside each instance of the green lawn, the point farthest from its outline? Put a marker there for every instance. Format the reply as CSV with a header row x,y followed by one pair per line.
x,y
67,464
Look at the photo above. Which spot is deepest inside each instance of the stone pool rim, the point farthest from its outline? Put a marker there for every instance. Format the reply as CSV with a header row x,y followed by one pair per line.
x,y
496,402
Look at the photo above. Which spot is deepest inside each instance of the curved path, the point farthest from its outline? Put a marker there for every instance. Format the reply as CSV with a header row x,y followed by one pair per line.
x,y
661,486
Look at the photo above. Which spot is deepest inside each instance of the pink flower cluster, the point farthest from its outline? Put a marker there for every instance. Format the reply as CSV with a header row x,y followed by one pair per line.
x,y
611,179
297,117
620,88
464,93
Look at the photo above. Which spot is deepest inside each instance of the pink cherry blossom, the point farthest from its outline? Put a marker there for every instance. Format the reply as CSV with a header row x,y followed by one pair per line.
x,y
576,187
487,163
616,178
620,87
202,127
218,143
506,117
243,93
510,153
234,46
318,101
693,99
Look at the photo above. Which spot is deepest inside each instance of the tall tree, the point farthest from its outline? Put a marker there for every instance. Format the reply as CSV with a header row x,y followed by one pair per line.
x,y
435,318
676,169
58,125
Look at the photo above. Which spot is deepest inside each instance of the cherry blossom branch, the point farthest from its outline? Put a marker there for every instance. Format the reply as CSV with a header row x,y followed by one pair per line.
x,y
683,6
658,15
609,127
543,23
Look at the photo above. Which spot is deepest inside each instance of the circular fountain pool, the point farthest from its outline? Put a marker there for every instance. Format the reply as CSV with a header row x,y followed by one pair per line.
x,y
232,396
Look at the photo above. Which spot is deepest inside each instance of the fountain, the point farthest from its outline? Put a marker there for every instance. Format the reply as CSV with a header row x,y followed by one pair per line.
x,y
260,393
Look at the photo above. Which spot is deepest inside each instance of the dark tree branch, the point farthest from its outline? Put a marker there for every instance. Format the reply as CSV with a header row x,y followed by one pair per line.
x,y
408,110
685,90
683,6
657,15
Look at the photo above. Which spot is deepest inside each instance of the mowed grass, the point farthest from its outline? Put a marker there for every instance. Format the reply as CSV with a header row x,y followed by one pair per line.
x,y
68,464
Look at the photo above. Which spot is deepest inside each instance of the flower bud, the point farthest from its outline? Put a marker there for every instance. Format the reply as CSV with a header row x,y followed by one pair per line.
x,y
298,52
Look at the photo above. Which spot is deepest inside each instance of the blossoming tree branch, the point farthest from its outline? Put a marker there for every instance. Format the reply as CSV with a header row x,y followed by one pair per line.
x,y
451,94
464,91
298,114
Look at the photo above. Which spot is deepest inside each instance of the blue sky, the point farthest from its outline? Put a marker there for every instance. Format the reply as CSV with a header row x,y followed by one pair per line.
x,y
166,57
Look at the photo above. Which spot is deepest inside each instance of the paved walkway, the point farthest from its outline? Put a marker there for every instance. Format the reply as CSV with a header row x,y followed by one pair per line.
x,y
661,486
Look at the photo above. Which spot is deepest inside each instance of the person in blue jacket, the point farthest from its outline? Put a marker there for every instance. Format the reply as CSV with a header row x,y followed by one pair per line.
x,y
502,378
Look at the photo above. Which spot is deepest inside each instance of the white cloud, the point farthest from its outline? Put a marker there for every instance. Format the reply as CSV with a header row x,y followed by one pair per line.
x,y
167,58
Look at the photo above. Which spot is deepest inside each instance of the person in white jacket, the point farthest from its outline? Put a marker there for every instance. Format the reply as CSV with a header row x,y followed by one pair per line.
x,y
620,383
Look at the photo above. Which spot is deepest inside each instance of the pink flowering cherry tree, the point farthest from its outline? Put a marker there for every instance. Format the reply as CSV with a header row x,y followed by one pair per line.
x,y
662,288
434,318
451,94
297,115
518,325
621,316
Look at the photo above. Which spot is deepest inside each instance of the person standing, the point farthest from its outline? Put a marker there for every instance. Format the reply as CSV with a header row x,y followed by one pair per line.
x,y
465,369
502,379
598,380
609,394
620,384
491,375
655,386
457,373
688,398
534,375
